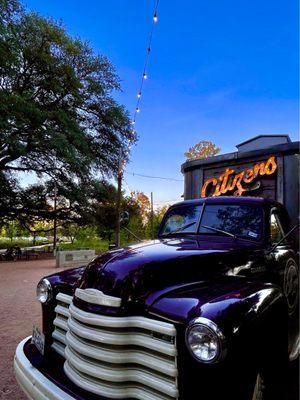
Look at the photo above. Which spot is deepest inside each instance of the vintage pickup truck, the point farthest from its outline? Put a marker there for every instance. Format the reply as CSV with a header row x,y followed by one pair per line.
x,y
209,310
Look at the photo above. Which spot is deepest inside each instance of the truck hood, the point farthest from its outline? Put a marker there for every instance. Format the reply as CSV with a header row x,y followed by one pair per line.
x,y
142,272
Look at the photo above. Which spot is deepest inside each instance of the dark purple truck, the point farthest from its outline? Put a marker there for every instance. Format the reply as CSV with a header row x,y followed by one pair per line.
x,y
209,310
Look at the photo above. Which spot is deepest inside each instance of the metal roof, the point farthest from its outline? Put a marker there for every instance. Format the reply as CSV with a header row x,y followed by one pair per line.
x,y
263,136
284,148
228,200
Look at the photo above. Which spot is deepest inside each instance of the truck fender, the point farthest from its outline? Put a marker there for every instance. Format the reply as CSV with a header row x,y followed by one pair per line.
x,y
255,325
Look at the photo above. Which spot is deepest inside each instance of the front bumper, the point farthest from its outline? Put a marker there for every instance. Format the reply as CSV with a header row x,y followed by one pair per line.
x,y
34,384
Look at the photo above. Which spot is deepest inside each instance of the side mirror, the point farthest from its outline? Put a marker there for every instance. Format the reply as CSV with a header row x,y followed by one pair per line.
x,y
124,218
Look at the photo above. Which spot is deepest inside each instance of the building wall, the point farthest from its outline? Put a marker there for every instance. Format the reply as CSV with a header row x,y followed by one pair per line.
x,y
282,186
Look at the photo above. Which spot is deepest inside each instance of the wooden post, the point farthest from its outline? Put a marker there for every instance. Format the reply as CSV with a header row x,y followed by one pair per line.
x,y
152,217
55,218
119,195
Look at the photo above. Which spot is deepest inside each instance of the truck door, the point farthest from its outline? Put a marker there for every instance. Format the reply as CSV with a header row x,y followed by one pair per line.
x,y
284,264
284,259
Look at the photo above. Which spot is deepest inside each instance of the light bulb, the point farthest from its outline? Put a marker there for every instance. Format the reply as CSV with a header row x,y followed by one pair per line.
x,y
145,76
155,18
139,94
137,110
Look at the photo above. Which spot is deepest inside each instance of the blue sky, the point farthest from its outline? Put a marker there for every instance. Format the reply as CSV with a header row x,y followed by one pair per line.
x,y
223,71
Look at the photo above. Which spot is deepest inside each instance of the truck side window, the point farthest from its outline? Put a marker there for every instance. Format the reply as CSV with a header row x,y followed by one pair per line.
x,y
276,229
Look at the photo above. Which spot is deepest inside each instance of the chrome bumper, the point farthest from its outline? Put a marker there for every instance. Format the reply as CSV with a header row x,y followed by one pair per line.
x,y
34,384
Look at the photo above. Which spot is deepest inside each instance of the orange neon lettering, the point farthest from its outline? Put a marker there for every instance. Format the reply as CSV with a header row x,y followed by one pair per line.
x,y
259,169
271,166
227,182
249,176
212,181
238,183
225,177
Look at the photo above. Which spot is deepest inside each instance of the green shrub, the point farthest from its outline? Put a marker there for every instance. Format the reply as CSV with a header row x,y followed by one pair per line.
x,y
4,244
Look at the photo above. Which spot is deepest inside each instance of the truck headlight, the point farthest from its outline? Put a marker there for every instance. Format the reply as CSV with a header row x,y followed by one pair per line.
x,y
44,291
205,341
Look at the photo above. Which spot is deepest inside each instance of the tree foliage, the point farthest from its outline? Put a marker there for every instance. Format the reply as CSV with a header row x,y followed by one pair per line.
x,y
203,149
57,114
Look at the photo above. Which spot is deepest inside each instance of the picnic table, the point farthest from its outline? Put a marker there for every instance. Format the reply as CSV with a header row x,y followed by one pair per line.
x,y
15,253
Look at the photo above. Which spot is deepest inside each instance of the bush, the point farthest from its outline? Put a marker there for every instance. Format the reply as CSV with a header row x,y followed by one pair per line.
x,y
4,244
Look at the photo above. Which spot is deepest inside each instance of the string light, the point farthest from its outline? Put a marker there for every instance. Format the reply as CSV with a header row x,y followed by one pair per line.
x,y
144,73
144,77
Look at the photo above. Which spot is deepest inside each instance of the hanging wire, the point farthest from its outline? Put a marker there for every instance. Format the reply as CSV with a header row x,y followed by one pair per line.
x,y
167,201
144,74
122,161
154,177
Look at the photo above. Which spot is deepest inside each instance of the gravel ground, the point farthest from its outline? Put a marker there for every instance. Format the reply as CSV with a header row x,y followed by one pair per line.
x,y
19,311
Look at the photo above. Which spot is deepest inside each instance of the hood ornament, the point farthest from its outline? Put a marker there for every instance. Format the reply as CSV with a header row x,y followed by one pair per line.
x,y
95,296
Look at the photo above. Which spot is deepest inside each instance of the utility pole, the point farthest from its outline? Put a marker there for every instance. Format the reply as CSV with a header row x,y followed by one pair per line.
x,y
119,195
152,217
55,218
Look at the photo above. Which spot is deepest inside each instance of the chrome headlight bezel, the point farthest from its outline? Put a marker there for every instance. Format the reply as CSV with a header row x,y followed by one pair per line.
x,y
214,331
44,292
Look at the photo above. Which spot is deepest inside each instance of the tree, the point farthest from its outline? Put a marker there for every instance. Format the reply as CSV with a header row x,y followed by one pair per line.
x,y
157,218
57,114
203,149
141,200
11,229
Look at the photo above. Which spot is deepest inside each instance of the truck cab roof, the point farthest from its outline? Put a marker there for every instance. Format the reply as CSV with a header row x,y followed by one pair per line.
x,y
230,200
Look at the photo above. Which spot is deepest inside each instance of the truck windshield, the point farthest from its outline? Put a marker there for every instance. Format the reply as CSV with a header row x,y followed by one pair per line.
x,y
242,221
182,219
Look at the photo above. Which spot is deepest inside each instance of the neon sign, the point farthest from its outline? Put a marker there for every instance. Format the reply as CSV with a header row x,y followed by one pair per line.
x,y
230,180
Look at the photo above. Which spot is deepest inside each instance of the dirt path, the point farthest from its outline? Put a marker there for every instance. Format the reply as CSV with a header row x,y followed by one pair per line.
x,y
19,311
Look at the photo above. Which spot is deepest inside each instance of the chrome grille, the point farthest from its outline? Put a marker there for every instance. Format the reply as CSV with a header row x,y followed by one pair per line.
x,y
116,357
61,323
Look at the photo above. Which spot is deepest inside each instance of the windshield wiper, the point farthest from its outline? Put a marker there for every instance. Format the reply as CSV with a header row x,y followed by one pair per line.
x,y
219,230
180,229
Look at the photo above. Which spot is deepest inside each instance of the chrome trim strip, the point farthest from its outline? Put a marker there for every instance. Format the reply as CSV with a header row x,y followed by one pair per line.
x,y
121,374
62,310
61,323
122,322
120,339
122,356
59,336
59,348
102,389
65,298
95,296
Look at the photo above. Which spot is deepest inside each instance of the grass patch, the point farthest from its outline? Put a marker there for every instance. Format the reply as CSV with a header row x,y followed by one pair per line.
x,y
99,245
